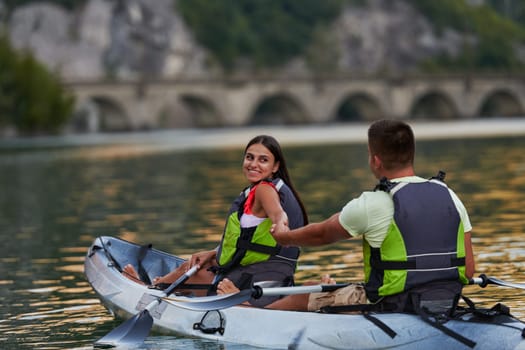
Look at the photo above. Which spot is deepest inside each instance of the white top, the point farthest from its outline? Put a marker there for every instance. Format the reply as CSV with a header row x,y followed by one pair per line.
x,y
250,220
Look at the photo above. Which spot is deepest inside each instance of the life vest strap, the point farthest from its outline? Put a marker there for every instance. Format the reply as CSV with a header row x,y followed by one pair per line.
x,y
409,265
259,248
393,265
386,185
437,323
364,309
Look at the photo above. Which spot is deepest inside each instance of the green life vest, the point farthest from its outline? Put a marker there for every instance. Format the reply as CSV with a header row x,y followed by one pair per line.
x,y
424,243
256,241
249,245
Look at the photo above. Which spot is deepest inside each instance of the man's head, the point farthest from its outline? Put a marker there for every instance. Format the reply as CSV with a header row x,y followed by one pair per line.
x,y
391,147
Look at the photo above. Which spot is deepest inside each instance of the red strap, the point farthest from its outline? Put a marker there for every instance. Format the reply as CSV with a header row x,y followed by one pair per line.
x,y
248,205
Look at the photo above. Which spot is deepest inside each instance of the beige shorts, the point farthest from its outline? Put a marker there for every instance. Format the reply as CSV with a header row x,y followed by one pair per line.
x,y
352,294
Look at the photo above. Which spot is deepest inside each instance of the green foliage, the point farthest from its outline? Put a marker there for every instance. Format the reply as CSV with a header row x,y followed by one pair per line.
x,y
266,32
322,54
6,81
67,4
495,35
466,18
513,9
31,98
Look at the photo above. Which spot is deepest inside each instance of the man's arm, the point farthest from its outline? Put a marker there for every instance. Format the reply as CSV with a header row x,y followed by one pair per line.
x,y
314,234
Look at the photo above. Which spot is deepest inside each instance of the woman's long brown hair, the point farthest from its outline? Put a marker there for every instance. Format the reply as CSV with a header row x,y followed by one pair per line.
x,y
273,146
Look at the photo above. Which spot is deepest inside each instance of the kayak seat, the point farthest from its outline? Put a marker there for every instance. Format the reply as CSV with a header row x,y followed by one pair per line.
x,y
151,263
148,262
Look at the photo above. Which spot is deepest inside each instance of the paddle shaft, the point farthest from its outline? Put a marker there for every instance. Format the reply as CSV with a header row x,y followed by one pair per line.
x,y
181,279
172,287
484,280
258,292
223,301
218,302
315,288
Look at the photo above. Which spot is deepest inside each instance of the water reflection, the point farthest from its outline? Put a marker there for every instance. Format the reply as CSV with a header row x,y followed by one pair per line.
x,y
52,206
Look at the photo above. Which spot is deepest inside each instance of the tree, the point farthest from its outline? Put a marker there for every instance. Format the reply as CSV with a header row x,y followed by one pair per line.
x,y
265,32
495,35
31,98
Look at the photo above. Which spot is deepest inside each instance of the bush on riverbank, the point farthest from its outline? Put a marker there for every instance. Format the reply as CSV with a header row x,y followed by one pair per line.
x,y
32,100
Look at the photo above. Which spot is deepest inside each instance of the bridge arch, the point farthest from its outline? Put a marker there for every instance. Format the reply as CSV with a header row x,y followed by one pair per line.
x,y
100,113
433,105
358,106
500,103
280,109
191,111
174,115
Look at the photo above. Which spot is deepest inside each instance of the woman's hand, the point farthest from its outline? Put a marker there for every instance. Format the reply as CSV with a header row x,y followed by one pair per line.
x,y
279,227
202,258
280,230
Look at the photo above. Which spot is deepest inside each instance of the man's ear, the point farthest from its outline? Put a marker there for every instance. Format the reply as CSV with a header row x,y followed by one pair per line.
x,y
376,162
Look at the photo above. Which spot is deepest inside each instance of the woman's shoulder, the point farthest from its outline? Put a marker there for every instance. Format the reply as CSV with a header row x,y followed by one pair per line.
x,y
268,184
264,187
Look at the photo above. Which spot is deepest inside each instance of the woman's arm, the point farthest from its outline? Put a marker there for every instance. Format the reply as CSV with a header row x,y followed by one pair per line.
x,y
267,204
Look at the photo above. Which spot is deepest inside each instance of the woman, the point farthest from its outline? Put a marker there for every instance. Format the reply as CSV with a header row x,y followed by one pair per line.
x,y
247,252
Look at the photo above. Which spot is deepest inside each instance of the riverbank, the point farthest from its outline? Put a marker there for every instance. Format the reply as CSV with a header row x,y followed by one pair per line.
x,y
181,139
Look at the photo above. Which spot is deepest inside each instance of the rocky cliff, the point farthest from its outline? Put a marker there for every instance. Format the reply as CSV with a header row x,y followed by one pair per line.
x,y
140,38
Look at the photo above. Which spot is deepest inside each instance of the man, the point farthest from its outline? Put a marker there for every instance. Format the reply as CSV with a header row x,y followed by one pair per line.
x,y
416,232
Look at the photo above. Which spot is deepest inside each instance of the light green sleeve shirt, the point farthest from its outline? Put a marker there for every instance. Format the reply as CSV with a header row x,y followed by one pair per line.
x,y
371,213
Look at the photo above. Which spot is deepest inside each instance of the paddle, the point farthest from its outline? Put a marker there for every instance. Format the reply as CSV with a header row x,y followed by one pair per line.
x,y
484,280
217,302
137,328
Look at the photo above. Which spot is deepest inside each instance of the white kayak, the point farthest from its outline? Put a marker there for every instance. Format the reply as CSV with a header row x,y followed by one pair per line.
x,y
279,329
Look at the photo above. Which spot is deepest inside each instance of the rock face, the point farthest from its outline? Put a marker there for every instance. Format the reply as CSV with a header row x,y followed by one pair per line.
x,y
388,36
140,38
70,44
122,39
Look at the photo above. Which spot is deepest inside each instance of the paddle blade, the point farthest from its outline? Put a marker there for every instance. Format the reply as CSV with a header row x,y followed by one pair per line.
x,y
215,302
133,331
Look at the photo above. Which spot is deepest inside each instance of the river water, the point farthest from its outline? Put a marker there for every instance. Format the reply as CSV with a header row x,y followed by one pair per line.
x,y
172,189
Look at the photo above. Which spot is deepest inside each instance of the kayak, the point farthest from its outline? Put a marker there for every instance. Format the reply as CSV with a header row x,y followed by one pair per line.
x,y
274,328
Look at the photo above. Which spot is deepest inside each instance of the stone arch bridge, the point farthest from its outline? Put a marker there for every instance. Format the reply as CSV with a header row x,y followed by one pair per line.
x,y
132,105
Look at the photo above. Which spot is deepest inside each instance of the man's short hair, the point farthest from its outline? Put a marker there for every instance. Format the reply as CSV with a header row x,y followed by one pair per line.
x,y
393,142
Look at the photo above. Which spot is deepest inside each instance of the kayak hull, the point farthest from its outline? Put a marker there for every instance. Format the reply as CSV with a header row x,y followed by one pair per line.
x,y
273,328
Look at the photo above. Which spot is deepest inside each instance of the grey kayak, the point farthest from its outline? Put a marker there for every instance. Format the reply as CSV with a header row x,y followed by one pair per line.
x,y
278,329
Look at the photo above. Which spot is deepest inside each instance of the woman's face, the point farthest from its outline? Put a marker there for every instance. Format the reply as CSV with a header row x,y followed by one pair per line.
x,y
259,163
